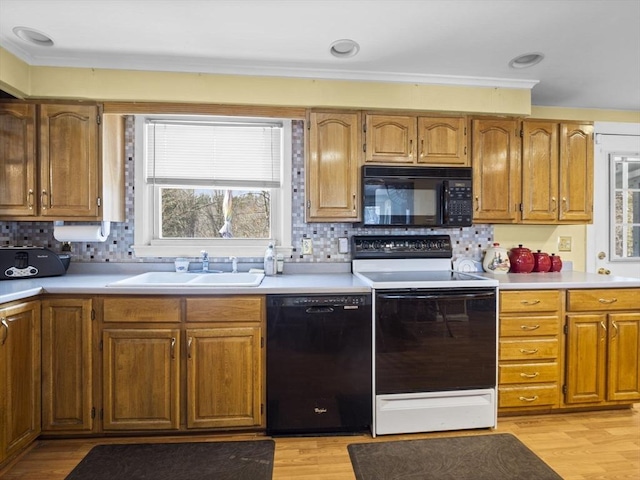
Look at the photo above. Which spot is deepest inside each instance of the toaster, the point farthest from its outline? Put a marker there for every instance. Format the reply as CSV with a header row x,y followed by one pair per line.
x,y
31,262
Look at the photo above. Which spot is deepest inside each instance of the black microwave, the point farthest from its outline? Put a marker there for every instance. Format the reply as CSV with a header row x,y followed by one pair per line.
x,y
417,196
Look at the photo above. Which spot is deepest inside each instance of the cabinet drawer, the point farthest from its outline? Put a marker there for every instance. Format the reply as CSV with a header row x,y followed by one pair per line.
x,y
528,349
529,326
529,396
524,301
235,308
528,373
603,299
141,309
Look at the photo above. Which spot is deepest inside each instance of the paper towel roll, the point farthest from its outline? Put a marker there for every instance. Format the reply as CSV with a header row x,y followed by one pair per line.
x,y
81,233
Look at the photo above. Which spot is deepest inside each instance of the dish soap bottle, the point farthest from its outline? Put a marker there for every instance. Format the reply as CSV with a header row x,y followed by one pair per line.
x,y
269,261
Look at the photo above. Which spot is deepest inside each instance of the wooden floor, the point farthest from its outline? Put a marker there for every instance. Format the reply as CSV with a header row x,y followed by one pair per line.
x,y
595,445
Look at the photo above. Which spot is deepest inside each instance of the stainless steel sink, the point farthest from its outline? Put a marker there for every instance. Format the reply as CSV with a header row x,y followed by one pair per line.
x,y
179,279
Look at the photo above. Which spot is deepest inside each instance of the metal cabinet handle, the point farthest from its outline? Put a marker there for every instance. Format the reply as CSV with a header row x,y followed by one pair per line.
x,y
529,375
30,199
615,327
43,196
411,148
564,202
604,330
421,148
173,347
529,399
530,302
477,203
555,204
529,327
189,342
528,352
354,202
6,330
607,301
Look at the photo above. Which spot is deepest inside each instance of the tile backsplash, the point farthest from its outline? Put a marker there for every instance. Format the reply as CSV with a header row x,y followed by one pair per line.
x,y
467,242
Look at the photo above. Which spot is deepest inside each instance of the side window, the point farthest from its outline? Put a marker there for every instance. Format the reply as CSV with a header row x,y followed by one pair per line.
x,y
625,206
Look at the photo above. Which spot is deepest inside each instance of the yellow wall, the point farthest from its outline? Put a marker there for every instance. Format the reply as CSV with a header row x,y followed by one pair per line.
x,y
545,238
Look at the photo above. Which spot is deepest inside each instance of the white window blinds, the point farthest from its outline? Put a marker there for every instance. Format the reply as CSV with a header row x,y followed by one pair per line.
x,y
214,153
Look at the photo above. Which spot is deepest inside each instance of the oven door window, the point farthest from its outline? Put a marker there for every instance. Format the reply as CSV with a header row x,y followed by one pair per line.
x,y
401,201
435,340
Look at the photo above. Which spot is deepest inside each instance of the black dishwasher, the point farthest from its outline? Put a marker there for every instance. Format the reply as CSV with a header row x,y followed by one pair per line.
x,y
319,364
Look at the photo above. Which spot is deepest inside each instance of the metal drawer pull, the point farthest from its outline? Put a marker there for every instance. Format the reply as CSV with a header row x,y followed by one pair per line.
x,y
615,326
532,302
189,347
173,347
529,399
529,327
529,375
607,300
529,352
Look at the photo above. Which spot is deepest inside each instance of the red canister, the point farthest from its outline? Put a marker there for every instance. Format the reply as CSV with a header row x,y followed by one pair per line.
x,y
521,260
541,262
556,263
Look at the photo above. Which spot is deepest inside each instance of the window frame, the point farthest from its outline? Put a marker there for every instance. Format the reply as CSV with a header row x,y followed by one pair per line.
x,y
145,245
613,256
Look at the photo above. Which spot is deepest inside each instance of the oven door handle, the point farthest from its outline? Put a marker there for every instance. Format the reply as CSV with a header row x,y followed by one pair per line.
x,y
418,296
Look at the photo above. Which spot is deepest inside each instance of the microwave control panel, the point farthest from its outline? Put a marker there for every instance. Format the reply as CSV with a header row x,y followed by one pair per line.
x,y
459,203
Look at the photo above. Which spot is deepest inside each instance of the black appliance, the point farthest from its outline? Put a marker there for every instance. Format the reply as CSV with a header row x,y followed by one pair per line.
x,y
435,336
417,196
319,364
31,262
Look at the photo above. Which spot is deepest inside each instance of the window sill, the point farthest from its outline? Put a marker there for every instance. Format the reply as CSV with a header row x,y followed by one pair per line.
x,y
221,251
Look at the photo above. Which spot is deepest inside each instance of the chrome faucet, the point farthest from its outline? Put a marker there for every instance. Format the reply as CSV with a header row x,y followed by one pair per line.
x,y
205,260
234,264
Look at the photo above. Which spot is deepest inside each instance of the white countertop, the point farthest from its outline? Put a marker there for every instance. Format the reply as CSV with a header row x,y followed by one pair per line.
x,y
556,280
296,283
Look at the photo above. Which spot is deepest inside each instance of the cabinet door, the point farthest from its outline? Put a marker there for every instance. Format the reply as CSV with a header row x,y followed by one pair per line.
x,y
540,159
67,380
141,379
390,139
442,141
18,159
19,377
576,172
496,170
224,377
586,357
624,357
69,161
333,169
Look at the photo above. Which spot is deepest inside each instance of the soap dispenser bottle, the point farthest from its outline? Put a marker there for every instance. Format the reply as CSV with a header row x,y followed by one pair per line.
x,y
269,260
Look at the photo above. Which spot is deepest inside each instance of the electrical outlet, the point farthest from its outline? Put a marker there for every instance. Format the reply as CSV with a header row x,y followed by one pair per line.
x,y
307,246
564,244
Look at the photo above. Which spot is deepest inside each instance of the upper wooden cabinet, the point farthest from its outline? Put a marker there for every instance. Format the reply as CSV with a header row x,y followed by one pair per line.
x,y
56,171
495,157
557,172
333,167
18,159
410,139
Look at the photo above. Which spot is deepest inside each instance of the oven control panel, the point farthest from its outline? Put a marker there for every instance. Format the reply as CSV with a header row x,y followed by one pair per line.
x,y
401,246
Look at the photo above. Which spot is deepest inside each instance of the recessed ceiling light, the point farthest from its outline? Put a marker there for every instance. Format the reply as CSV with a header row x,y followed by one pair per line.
x,y
33,36
526,60
344,48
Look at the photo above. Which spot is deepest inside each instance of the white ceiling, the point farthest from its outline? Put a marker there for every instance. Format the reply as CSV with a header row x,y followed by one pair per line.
x,y
591,47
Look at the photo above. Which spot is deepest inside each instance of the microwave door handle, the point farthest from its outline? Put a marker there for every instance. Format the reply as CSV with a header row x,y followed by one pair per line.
x,y
445,202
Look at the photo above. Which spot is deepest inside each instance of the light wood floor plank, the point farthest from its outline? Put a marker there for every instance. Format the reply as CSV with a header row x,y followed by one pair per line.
x,y
579,446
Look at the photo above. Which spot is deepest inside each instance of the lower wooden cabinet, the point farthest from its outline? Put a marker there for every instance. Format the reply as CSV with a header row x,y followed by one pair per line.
x,y
603,347
192,363
67,366
141,379
530,350
19,377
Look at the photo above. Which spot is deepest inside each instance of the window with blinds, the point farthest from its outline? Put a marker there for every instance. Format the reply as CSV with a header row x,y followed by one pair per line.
x,y
202,180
